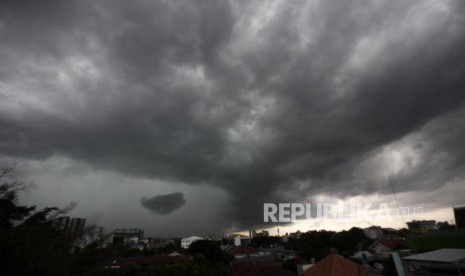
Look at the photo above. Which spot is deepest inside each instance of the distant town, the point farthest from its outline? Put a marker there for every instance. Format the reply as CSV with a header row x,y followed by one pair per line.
x,y
424,247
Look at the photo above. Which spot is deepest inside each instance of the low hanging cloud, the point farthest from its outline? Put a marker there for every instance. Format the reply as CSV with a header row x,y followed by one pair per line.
x,y
163,204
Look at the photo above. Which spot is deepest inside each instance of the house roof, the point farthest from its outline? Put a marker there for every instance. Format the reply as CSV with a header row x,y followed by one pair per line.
x,y
336,265
260,269
446,255
392,243
379,244
242,250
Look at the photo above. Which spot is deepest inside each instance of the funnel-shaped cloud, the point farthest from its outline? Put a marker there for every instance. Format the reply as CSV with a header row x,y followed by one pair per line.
x,y
163,204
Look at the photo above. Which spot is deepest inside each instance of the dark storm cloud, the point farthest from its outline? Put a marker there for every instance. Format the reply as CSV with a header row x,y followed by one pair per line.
x,y
270,100
163,204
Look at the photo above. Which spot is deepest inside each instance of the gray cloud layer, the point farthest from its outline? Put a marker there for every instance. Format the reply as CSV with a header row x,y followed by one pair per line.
x,y
163,204
269,100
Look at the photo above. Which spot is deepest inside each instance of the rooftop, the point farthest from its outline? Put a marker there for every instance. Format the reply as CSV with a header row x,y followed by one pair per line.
x,y
446,255
336,265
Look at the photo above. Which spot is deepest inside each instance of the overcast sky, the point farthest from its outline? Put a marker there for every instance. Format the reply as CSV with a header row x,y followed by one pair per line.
x,y
184,117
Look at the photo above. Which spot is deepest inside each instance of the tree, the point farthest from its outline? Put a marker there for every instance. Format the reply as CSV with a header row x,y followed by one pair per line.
x,y
347,242
444,225
315,244
10,211
210,250
29,243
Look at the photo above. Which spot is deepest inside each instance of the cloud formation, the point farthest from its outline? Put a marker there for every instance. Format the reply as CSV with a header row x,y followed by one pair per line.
x,y
163,204
269,100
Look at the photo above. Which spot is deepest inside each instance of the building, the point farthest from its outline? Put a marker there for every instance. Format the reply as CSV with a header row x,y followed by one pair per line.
x,y
241,240
380,250
264,233
444,261
383,247
61,223
76,228
421,226
334,265
186,242
459,213
71,227
253,233
126,236
153,244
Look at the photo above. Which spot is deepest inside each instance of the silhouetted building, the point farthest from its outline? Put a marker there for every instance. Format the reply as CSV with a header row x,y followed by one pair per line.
x,y
445,261
334,265
421,226
76,228
241,240
459,213
383,247
71,227
127,236
61,223
158,243
263,233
